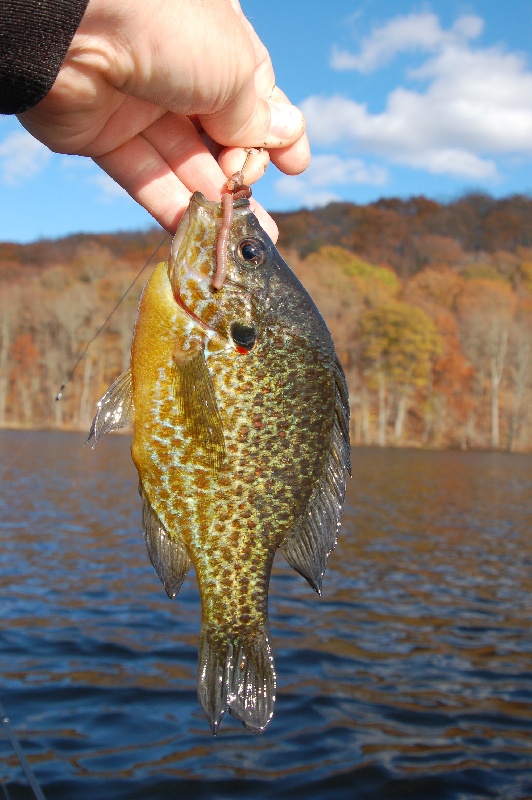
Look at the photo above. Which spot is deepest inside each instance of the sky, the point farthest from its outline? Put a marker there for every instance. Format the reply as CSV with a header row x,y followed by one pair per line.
x,y
401,99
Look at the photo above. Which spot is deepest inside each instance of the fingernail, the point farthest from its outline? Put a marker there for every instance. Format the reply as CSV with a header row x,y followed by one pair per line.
x,y
286,121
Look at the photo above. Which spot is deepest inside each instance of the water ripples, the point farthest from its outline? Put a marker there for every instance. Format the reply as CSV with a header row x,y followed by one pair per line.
x,y
410,677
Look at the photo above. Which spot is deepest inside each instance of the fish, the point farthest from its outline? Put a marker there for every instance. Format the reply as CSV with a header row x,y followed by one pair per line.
x,y
240,415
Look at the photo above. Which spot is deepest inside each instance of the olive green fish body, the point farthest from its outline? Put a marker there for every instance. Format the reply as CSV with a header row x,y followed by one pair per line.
x,y
240,441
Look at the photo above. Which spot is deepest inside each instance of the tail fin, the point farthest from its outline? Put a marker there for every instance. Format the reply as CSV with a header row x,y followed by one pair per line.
x,y
236,674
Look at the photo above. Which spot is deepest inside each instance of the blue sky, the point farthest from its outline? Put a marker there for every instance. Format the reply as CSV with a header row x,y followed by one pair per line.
x,y
401,98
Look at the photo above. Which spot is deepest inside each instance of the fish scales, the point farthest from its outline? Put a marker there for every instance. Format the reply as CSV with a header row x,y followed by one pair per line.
x,y
240,441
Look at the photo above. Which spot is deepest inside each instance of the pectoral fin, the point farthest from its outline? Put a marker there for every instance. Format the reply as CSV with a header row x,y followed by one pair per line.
x,y
168,555
115,409
196,399
308,546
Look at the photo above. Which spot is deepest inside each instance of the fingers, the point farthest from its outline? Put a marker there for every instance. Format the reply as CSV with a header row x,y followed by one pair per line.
x,y
295,158
140,170
161,168
180,146
255,163
250,121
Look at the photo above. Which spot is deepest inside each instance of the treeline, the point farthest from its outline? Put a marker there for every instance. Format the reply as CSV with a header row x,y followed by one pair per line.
x,y
411,234
431,315
442,359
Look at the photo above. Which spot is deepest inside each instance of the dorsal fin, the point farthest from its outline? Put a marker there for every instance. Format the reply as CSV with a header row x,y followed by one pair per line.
x,y
308,546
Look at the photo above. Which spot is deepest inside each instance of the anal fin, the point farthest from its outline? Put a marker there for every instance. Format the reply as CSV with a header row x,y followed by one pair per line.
x,y
168,555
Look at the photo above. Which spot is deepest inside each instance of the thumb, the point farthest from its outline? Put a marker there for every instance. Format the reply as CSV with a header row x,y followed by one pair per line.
x,y
251,121
255,113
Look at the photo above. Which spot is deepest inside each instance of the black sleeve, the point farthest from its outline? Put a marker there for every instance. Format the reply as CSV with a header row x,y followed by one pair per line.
x,y
34,38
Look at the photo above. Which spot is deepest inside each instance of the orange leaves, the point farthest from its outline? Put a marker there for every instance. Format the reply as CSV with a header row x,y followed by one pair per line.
x,y
485,311
434,289
23,352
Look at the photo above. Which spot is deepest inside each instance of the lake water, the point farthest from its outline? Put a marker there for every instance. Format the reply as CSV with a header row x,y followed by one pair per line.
x,y
410,678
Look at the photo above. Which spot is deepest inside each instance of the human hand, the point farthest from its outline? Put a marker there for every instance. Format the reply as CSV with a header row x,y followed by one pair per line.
x,y
166,95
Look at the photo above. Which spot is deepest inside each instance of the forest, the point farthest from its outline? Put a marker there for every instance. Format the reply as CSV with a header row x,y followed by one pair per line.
x,y
429,304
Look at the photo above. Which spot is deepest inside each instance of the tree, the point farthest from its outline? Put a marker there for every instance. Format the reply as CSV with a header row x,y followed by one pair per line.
x,y
25,359
520,371
473,388
451,402
486,309
446,409
399,344
8,314
434,289
438,250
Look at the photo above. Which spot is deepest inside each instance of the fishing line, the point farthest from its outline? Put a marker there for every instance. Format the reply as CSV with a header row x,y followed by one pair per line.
x,y
59,394
24,763
7,460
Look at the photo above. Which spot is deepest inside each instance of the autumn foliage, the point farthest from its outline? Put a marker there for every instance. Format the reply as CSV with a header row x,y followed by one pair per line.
x,y
430,306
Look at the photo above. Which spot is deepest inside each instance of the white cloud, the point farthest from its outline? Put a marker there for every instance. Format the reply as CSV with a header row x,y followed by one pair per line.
x,y
109,188
454,162
402,34
83,169
476,104
312,188
21,158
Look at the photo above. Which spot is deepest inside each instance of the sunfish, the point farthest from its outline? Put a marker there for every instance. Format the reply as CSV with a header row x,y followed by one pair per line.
x,y
241,441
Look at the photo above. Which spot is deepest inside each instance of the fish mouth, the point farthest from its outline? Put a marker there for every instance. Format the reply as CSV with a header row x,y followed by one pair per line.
x,y
199,205
216,207
197,201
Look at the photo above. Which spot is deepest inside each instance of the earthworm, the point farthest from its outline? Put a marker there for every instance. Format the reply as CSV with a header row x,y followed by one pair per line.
x,y
222,242
236,189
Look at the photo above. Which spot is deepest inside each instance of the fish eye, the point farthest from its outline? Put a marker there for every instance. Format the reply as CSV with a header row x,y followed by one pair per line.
x,y
252,252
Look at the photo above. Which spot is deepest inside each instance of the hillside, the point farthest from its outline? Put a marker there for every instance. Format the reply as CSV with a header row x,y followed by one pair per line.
x,y
411,234
430,306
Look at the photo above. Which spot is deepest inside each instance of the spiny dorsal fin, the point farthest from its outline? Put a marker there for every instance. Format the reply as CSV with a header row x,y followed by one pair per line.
x,y
115,409
308,546
194,393
168,555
